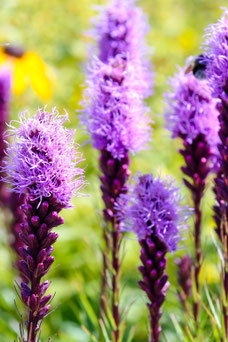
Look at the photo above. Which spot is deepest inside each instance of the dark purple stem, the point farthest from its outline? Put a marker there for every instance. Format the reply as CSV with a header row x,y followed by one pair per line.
x,y
221,192
155,280
36,258
196,155
4,103
10,201
184,278
115,175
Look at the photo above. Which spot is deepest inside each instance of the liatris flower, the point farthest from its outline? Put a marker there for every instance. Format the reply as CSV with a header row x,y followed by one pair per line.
x,y
118,81
41,164
5,85
217,49
152,211
120,30
114,108
193,117
191,109
112,117
184,277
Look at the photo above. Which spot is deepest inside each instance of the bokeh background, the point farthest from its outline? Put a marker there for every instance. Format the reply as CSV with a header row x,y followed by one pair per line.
x,y
56,30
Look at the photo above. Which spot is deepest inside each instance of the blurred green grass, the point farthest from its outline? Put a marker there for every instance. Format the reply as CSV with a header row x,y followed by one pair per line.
x,y
57,31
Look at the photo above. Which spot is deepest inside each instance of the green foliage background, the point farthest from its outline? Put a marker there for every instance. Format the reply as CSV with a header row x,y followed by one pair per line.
x,y
56,30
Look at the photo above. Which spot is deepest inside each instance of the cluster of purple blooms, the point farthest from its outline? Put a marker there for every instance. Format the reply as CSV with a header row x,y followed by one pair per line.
x,y
152,205
191,109
217,50
115,107
217,74
151,209
42,164
42,161
120,30
192,115
118,80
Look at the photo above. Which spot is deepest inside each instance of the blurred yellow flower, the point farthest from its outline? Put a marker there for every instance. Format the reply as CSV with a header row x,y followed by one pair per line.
x,y
28,68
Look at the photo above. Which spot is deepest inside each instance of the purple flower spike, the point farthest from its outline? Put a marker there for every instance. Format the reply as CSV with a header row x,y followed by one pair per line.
x,y
42,161
120,30
217,49
119,79
153,203
217,73
41,164
192,116
113,107
152,211
191,109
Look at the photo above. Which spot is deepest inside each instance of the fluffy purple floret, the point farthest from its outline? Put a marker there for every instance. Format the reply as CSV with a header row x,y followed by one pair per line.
x,y
120,29
216,42
153,205
191,109
42,159
114,114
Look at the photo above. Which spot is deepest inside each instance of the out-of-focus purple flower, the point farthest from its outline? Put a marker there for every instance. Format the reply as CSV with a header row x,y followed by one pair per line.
x,y
115,115
191,109
43,158
216,44
120,29
184,277
5,86
152,205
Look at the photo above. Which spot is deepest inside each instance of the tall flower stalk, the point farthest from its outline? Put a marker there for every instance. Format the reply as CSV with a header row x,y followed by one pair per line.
x,y
41,165
217,73
152,211
184,279
192,116
118,81
8,201
5,86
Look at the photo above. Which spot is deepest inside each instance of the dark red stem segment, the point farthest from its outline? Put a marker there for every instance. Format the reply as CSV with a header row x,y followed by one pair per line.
x,y
155,280
197,155
36,259
113,183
